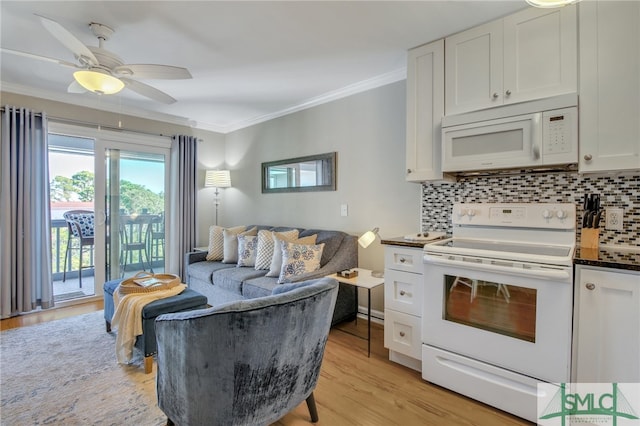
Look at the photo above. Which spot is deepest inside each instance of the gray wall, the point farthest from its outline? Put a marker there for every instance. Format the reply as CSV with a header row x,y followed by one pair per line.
x,y
367,130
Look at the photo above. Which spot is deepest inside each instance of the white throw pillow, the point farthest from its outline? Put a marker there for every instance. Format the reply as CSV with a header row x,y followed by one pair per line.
x,y
247,249
266,246
216,241
276,261
298,259
231,243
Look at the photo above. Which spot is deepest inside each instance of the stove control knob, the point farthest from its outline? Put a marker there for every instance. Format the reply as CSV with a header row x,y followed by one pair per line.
x,y
547,214
462,213
471,212
561,214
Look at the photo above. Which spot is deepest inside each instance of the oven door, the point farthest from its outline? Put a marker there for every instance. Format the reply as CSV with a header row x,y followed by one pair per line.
x,y
517,318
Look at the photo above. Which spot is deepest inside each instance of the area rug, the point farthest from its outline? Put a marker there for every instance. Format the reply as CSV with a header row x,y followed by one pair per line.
x,y
65,372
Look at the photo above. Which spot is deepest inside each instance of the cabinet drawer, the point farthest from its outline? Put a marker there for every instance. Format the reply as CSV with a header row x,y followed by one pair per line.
x,y
402,333
403,291
403,259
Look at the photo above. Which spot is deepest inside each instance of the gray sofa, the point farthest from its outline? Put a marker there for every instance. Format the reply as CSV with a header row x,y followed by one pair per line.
x,y
226,282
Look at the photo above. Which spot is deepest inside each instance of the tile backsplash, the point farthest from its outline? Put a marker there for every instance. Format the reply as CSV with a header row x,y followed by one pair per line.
x,y
569,187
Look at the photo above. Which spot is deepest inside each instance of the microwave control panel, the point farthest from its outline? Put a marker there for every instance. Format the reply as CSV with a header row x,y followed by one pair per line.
x,y
560,136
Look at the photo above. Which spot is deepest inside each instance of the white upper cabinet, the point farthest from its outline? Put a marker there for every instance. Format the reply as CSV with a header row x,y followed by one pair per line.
x,y
529,55
425,108
609,86
473,67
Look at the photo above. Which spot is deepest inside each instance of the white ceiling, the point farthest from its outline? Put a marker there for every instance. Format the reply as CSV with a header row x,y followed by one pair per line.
x,y
250,61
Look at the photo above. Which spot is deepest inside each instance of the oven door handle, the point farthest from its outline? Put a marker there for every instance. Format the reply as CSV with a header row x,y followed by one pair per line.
x,y
557,275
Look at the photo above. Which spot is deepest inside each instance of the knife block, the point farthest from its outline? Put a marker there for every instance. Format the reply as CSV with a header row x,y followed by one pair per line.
x,y
590,238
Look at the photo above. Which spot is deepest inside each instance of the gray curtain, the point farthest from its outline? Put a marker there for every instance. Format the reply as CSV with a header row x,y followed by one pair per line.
x,y
183,201
25,235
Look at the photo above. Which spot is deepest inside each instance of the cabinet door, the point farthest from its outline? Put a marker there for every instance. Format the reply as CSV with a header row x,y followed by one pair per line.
x,y
609,86
540,54
425,108
473,69
608,322
403,291
402,333
403,259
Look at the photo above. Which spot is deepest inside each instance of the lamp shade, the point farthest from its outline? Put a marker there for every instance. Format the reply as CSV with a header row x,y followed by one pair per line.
x,y
550,3
367,238
217,179
98,82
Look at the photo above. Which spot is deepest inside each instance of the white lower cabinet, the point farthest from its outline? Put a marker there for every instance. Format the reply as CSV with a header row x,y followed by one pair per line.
x,y
403,286
606,326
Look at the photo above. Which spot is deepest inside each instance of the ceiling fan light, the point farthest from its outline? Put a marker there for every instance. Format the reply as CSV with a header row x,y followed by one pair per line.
x,y
97,82
550,3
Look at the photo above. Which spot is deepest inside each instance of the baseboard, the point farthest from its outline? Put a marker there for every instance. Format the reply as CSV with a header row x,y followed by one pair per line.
x,y
376,316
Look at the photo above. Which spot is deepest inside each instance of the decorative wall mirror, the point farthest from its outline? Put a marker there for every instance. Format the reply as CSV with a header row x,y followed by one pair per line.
x,y
311,173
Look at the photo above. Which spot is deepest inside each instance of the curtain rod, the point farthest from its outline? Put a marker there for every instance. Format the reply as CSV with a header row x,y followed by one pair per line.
x,y
94,125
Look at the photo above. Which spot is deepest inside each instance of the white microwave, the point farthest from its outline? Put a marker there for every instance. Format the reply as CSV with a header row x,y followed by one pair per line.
x,y
539,139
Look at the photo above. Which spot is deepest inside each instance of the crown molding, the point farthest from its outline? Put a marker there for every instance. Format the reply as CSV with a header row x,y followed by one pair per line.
x,y
352,89
93,102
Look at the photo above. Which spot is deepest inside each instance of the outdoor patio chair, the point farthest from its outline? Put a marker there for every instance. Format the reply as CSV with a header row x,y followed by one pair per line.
x,y
80,224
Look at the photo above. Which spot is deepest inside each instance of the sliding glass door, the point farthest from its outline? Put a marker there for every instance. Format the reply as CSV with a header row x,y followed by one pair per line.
x,y
121,188
135,206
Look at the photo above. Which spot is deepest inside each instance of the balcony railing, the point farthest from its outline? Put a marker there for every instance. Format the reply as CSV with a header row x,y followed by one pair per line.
x,y
60,238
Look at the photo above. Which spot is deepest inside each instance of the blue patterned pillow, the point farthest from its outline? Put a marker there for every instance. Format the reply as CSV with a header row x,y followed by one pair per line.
x,y
298,259
247,249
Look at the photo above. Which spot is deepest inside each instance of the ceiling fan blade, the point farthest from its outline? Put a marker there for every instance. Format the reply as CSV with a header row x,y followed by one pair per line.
x,y
81,52
40,57
75,87
153,71
148,91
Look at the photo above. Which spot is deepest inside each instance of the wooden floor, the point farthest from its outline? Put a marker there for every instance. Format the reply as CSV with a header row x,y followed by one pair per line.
x,y
356,390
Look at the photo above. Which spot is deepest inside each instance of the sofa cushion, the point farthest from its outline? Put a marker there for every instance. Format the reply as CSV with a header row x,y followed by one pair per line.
x,y
283,288
259,287
276,261
298,259
204,270
231,279
231,243
216,241
331,240
266,246
247,250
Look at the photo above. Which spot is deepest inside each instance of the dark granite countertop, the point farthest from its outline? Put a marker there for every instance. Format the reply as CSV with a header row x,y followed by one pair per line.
x,y
608,257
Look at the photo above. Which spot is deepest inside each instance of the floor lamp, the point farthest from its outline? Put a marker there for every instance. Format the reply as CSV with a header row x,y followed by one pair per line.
x,y
217,179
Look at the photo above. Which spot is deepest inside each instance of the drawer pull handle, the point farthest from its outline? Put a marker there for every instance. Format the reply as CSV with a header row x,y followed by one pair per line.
x,y
402,292
402,334
402,260
590,286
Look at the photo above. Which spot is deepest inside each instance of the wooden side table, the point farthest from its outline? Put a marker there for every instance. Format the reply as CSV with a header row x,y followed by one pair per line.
x,y
363,280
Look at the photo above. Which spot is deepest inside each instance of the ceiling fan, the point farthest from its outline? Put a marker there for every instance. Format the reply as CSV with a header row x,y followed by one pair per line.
x,y
103,72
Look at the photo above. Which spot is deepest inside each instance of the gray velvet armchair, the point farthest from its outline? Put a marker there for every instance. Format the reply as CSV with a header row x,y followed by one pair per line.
x,y
248,362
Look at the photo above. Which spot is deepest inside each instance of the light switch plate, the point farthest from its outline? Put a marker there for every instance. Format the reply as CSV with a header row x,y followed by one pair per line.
x,y
344,210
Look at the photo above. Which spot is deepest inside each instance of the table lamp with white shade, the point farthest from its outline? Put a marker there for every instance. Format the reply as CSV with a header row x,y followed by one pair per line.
x,y
365,241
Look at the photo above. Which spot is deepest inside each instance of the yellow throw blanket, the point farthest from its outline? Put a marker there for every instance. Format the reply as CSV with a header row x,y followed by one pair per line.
x,y
128,318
